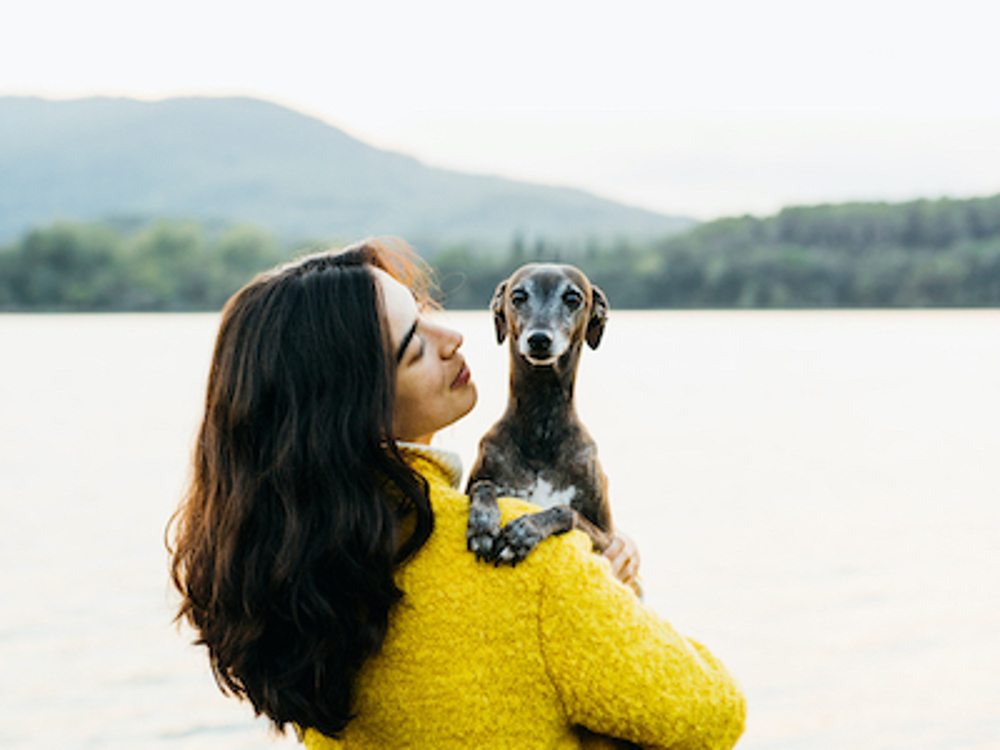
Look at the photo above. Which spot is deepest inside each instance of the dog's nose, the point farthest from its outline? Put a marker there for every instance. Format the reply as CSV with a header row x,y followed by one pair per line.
x,y
539,342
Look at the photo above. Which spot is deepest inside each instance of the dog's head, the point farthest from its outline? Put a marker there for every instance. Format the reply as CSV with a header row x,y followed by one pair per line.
x,y
547,310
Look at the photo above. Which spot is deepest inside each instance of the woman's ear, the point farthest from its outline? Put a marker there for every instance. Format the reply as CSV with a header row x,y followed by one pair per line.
x,y
598,317
499,311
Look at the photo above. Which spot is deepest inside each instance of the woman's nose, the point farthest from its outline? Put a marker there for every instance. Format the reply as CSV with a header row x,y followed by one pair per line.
x,y
451,341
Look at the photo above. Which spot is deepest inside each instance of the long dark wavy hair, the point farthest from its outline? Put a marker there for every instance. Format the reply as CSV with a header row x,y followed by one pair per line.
x,y
300,506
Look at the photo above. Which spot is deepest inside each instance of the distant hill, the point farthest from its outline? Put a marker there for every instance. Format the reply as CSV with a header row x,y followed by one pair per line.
x,y
246,160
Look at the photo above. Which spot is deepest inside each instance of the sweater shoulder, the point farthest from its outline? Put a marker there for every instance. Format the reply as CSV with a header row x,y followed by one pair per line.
x,y
557,555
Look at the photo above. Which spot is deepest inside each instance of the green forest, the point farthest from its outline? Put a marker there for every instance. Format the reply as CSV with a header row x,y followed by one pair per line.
x,y
942,253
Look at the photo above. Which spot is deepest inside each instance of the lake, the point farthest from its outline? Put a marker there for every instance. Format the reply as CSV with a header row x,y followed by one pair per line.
x,y
816,496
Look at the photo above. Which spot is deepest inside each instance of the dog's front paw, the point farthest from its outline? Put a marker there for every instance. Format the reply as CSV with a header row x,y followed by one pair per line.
x,y
516,540
482,531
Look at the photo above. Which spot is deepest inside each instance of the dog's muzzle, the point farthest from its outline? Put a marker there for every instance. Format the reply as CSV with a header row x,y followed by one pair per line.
x,y
540,347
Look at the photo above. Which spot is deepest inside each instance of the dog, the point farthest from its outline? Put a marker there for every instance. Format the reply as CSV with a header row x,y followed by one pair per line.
x,y
539,450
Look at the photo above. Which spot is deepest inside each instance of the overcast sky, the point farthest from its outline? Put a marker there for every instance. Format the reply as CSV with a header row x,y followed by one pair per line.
x,y
705,108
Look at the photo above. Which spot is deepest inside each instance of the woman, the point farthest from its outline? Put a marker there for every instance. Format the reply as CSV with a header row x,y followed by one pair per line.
x,y
320,552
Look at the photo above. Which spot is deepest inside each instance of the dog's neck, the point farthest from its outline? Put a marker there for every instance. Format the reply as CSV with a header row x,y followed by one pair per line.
x,y
542,400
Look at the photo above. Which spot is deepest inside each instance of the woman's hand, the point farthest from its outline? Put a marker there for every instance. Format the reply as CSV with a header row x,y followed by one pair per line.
x,y
624,558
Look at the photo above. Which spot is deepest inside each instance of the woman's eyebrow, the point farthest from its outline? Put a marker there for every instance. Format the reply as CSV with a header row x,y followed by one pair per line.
x,y
406,341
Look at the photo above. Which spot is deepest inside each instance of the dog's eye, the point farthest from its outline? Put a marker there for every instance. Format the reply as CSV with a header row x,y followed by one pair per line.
x,y
518,297
573,299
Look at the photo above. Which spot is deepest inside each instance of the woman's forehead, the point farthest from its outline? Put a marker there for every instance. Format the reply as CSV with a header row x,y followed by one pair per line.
x,y
400,306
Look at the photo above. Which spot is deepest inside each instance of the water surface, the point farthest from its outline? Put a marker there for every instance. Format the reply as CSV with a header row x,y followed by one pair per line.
x,y
815,494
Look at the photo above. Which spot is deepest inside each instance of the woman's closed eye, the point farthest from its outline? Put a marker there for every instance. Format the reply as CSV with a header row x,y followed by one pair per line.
x,y
411,348
417,344
405,344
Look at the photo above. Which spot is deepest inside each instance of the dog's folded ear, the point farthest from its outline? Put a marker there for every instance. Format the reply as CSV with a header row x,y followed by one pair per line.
x,y
499,311
598,317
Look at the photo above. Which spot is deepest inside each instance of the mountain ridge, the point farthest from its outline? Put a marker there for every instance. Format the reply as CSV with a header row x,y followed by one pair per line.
x,y
240,159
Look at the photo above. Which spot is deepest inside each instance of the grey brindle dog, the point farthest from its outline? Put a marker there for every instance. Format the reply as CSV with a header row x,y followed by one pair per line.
x,y
539,450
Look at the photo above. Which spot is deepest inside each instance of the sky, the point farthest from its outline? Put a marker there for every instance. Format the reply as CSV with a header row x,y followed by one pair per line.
x,y
708,108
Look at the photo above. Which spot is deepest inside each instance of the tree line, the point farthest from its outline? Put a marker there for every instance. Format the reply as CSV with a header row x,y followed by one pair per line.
x,y
161,266
943,253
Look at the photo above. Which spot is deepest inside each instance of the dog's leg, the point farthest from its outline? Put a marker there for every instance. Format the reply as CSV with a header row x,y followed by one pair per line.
x,y
523,534
484,519
600,538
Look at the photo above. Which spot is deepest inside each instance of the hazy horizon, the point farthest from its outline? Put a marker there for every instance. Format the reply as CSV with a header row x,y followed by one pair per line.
x,y
715,166
712,110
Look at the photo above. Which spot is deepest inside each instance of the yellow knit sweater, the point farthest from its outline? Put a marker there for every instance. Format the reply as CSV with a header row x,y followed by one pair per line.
x,y
497,657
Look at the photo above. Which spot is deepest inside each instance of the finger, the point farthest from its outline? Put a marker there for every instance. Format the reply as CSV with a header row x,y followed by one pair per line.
x,y
631,570
614,549
617,563
621,567
627,542
636,585
635,559
631,550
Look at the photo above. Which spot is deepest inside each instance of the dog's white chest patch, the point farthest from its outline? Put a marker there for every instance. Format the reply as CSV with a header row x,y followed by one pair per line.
x,y
545,494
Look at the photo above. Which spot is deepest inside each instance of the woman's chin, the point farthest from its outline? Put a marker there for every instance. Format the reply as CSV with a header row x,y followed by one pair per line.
x,y
473,399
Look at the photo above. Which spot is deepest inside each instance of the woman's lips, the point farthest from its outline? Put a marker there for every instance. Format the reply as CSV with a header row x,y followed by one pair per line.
x,y
462,378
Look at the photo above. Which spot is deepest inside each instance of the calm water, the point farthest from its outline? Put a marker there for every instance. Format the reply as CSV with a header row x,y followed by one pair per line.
x,y
816,496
